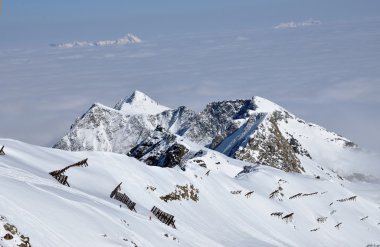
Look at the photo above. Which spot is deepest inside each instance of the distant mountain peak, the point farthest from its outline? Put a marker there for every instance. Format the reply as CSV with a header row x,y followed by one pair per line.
x,y
126,40
140,103
139,96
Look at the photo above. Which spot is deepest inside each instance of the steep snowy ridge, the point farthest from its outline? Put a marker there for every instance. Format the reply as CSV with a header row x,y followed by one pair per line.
x,y
212,206
254,130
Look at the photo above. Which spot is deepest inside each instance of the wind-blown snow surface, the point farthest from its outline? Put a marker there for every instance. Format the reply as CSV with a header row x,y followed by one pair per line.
x,y
83,215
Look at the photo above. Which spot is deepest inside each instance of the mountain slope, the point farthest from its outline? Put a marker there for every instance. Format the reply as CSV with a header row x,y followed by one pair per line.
x,y
219,215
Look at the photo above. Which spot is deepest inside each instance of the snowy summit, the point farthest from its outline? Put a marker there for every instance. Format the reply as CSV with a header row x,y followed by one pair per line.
x,y
140,103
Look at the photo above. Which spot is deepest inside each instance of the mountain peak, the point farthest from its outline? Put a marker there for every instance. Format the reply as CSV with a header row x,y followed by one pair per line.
x,y
138,96
140,103
264,105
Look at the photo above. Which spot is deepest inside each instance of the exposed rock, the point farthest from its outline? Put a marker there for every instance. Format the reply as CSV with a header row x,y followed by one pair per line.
x,y
174,155
8,236
201,163
246,170
297,147
269,147
185,192
160,149
11,233
350,144
217,121
10,228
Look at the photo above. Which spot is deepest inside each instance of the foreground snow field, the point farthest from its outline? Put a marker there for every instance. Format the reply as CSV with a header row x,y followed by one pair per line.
x,y
219,214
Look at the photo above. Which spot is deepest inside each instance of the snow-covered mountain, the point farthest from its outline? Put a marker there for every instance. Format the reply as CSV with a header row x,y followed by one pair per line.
x,y
239,173
126,40
253,130
215,201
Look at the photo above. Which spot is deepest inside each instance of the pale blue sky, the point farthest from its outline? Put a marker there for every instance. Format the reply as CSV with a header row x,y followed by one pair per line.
x,y
41,21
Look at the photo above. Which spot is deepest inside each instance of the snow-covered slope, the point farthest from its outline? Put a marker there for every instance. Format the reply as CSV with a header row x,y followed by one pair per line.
x,y
216,201
254,130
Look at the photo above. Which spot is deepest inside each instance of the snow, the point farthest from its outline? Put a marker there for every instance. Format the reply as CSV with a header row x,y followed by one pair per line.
x,y
140,103
266,106
329,150
83,215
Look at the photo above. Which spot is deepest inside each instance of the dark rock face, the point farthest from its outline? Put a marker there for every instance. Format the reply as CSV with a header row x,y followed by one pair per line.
x,y
270,147
297,147
174,155
217,121
161,149
8,236
221,137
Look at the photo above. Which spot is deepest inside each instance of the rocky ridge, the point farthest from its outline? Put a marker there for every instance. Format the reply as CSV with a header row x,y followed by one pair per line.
x,y
254,130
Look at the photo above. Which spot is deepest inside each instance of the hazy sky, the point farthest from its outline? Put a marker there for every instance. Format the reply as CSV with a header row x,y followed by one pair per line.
x,y
193,52
39,20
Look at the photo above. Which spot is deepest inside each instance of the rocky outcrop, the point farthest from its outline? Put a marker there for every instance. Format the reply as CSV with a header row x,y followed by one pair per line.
x,y
161,149
217,121
182,192
10,236
269,147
